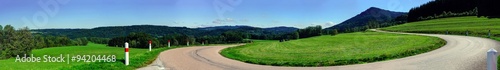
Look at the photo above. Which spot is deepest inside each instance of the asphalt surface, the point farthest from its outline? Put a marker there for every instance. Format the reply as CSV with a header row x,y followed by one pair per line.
x,y
460,53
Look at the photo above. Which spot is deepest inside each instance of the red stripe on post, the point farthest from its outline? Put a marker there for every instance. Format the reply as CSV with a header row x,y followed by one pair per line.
x,y
126,49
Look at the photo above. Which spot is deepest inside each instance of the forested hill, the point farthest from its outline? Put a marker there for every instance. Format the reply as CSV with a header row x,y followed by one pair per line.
x,y
360,21
454,8
158,31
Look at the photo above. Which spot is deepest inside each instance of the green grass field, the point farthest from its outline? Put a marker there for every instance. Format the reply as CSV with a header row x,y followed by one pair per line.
x,y
342,49
456,25
90,49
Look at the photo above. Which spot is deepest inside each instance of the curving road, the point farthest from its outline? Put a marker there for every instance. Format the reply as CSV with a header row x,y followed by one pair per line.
x,y
460,53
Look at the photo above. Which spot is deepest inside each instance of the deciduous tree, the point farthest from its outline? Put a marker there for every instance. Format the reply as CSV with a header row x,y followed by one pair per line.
x,y
334,32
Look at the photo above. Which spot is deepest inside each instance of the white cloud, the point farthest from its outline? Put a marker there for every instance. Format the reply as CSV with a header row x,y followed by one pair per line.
x,y
324,25
177,22
202,26
224,21
229,20
328,24
216,22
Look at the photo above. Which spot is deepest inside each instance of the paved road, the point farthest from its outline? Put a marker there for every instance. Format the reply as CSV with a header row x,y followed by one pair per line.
x,y
460,53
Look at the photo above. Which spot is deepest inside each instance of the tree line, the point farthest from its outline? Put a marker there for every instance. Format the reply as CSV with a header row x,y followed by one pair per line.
x,y
135,40
310,31
15,42
454,8
41,41
140,40
488,8
159,31
23,41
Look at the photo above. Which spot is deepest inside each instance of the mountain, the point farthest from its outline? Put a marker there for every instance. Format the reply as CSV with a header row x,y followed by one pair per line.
x,y
116,31
158,31
362,19
226,27
281,29
217,30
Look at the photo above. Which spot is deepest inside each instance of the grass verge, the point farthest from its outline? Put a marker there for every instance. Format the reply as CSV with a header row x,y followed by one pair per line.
x,y
141,58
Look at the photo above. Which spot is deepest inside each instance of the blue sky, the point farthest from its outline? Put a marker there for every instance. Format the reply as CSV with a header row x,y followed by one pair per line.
x,y
40,14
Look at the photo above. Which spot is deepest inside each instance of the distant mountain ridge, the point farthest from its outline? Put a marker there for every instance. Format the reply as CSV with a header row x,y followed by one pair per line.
x,y
281,29
158,31
224,27
362,19
359,21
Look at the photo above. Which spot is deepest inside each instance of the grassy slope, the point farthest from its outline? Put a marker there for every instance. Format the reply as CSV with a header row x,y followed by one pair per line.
x,y
457,25
350,48
92,49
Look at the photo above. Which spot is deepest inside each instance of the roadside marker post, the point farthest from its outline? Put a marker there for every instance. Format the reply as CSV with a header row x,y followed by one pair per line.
x,y
489,33
467,33
491,59
168,43
150,45
126,54
187,43
446,31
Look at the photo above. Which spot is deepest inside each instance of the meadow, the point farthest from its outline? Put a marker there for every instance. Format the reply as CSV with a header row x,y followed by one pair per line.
x,y
479,27
142,56
455,25
326,50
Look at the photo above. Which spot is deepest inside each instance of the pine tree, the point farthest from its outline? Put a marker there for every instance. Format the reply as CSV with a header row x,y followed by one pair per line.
x,y
1,43
1,31
26,41
39,42
335,32
8,36
296,35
